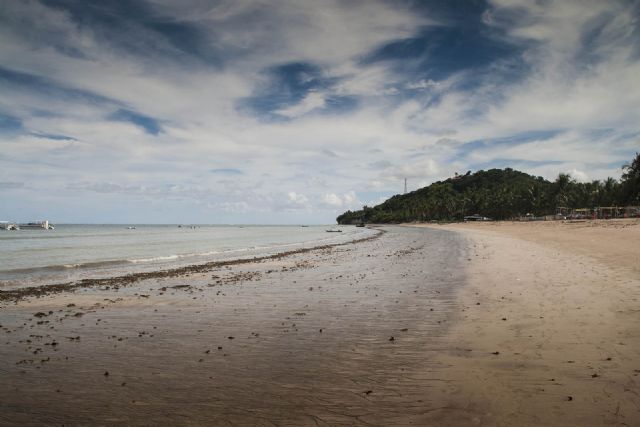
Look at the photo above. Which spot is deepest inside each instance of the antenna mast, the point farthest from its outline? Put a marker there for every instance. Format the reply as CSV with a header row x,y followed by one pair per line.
x,y
405,186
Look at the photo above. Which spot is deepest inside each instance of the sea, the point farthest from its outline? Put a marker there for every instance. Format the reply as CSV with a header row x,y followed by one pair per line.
x,y
70,252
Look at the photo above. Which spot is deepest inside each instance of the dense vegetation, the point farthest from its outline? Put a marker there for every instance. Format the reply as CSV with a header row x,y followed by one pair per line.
x,y
501,194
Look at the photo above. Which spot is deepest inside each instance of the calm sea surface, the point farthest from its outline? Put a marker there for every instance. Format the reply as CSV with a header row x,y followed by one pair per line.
x,y
72,252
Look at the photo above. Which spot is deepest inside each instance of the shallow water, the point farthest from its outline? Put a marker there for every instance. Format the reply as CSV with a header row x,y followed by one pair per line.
x,y
70,252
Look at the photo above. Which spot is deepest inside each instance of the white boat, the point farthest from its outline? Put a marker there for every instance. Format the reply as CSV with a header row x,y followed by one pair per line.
x,y
36,225
7,225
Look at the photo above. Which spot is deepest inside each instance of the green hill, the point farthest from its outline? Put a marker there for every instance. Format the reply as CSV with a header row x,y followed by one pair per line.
x,y
500,194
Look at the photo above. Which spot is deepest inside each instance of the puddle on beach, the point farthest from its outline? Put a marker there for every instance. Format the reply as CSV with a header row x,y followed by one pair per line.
x,y
335,336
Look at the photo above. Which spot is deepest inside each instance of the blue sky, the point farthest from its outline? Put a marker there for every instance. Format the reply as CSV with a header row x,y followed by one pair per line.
x,y
293,111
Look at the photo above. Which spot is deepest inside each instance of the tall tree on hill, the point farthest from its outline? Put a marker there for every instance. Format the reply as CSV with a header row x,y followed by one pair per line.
x,y
631,182
562,189
609,192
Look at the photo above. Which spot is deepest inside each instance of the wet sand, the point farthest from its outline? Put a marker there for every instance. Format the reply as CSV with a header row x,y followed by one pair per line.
x,y
342,335
470,324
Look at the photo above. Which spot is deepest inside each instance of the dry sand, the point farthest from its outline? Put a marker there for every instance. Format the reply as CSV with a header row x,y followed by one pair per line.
x,y
550,333
399,330
614,243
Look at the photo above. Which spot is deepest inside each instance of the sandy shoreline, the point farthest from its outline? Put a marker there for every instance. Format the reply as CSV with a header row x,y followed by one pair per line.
x,y
614,243
560,305
19,292
338,336
399,330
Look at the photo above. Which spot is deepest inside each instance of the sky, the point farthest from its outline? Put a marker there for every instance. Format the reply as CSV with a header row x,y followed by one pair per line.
x,y
293,111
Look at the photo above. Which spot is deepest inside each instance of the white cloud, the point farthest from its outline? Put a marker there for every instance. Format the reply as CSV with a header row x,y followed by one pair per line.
x,y
332,200
296,199
312,101
578,175
564,147
423,84
420,169
348,200
591,106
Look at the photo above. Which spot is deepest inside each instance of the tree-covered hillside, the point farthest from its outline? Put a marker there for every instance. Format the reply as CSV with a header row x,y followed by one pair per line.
x,y
501,194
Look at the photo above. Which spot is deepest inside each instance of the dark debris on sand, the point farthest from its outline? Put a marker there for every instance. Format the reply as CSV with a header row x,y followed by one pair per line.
x,y
116,282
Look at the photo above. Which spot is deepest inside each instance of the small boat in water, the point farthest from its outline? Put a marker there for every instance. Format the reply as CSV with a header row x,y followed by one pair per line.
x,y
333,231
34,225
131,228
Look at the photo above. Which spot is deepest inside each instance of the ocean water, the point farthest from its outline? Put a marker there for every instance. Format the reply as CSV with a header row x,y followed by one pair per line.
x,y
73,252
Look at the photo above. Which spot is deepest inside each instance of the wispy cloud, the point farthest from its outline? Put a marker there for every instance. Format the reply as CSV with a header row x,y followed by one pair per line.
x,y
226,171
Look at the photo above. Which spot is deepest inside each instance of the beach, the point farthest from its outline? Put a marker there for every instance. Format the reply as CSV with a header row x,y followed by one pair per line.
x,y
548,333
467,324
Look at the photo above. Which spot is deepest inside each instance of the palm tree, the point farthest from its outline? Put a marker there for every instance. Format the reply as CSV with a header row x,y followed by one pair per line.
x,y
561,187
609,192
631,181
